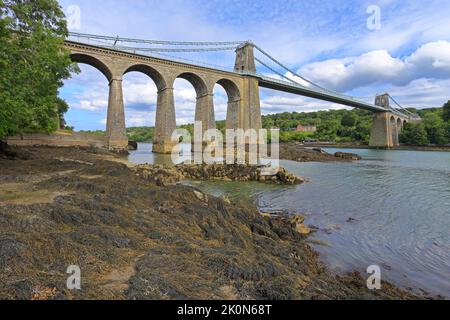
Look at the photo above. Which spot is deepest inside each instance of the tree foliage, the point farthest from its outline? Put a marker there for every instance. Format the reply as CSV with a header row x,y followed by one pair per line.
x,y
33,65
432,130
334,125
446,112
414,133
349,120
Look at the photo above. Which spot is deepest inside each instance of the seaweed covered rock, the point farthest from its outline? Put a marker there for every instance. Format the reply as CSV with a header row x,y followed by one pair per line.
x,y
167,175
348,156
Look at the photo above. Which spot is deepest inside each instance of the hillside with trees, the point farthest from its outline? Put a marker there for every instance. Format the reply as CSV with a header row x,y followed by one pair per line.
x,y
337,126
434,128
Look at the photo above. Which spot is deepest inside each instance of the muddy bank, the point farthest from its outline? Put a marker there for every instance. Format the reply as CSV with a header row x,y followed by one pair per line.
x,y
296,152
133,239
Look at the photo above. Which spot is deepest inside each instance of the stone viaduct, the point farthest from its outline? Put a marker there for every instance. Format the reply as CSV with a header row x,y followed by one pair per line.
x,y
243,92
241,86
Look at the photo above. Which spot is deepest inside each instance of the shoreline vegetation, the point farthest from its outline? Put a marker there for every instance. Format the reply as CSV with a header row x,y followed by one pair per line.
x,y
135,238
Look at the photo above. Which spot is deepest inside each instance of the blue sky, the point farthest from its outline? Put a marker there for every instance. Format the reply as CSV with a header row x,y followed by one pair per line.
x,y
328,42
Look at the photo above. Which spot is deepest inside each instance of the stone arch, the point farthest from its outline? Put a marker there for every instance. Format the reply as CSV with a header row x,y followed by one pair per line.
x,y
94,62
231,89
197,82
234,98
399,125
394,131
152,73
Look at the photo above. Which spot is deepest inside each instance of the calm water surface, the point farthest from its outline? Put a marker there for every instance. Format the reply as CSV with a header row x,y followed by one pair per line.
x,y
398,202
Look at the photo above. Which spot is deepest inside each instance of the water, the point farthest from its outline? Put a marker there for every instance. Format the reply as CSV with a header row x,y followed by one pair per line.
x,y
399,202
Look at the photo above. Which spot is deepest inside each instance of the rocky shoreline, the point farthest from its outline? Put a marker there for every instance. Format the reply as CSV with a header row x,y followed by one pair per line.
x,y
135,238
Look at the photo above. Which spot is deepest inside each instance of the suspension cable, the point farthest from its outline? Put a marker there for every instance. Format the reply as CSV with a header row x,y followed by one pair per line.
x,y
400,105
124,48
274,71
155,42
288,69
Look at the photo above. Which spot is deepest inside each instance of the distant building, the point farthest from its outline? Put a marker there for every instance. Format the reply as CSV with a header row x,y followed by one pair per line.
x,y
302,128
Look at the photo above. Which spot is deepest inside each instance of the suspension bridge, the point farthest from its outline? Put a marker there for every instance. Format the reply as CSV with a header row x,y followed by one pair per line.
x,y
165,61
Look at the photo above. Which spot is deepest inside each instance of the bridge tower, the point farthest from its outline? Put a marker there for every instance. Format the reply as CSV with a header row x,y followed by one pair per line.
x,y
386,126
250,115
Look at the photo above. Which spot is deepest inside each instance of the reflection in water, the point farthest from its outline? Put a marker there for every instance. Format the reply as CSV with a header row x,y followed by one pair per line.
x,y
391,210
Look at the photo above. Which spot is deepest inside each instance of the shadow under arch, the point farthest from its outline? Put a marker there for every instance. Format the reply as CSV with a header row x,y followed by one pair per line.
x,y
152,73
231,89
394,130
94,62
399,124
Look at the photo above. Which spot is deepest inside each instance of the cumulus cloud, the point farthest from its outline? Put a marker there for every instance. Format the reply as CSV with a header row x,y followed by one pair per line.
x,y
92,105
431,60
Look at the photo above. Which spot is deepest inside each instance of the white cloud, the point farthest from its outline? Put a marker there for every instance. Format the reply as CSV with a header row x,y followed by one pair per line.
x,y
291,103
432,60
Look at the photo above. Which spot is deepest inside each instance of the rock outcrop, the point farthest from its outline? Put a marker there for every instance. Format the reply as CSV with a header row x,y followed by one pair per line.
x,y
166,175
295,152
348,156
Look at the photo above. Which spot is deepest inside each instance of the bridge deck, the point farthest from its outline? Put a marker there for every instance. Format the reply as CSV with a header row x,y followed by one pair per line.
x,y
285,86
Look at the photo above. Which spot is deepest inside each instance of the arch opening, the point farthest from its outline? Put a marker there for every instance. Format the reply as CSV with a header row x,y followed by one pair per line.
x,y
88,106
231,89
196,81
152,73
394,131
140,103
93,62
399,125
226,100
185,101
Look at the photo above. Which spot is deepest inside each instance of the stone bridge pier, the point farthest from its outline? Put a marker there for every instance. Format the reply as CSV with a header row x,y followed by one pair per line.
x,y
386,126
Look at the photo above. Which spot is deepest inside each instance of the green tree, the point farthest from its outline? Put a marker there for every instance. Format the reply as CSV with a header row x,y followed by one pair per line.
x,y
435,128
328,130
33,64
414,133
446,112
349,119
